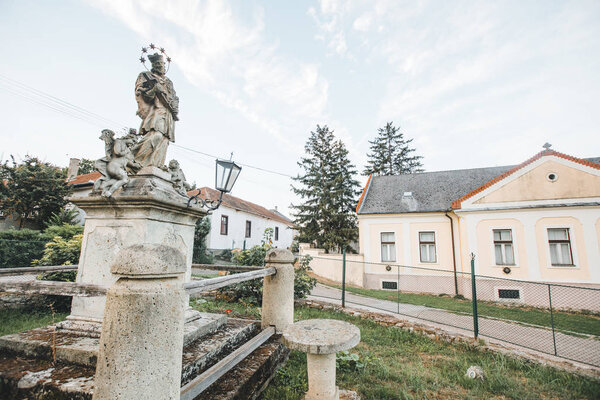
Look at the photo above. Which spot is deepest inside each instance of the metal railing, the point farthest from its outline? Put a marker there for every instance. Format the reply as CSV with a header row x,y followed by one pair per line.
x,y
557,319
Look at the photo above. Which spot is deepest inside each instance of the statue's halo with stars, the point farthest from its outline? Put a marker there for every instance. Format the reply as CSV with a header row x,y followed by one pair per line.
x,y
162,51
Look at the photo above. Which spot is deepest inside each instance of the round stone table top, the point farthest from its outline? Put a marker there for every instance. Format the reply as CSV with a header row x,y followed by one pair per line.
x,y
321,336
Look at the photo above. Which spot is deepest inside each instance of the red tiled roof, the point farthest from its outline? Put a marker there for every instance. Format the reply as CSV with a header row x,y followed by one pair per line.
x,y
239,204
362,196
457,204
85,178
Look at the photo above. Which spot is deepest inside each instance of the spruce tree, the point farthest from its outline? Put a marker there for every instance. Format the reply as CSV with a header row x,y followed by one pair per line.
x,y
328,191
391,153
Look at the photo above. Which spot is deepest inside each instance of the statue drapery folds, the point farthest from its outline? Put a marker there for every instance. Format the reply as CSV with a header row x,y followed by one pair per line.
x,y
158,106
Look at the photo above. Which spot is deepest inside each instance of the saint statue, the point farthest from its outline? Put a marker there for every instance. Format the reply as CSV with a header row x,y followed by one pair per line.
x,y
158,106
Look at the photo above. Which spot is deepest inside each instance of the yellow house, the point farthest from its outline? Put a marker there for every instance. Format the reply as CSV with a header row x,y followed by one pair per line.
x,y
536,221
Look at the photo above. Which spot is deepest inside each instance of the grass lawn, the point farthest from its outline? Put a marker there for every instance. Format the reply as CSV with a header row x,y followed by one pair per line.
x,y
13,321
564,321
405,365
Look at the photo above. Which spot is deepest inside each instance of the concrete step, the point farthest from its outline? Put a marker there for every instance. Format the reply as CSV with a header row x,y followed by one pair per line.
x,y
25,376
68,346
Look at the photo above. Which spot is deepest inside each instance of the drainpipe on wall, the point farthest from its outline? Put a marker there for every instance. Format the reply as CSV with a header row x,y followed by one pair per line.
x,y
453,253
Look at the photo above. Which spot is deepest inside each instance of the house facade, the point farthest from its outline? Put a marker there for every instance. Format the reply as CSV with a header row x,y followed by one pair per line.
x,y
240,224
536,221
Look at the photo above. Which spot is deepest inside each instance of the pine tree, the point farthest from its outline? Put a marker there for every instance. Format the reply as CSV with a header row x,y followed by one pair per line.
x,y
328,190
391,154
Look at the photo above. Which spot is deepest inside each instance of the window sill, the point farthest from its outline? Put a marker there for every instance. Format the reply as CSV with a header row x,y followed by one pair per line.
x,y
560,266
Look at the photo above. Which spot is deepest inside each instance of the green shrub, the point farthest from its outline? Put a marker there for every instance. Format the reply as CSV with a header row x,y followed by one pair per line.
x,y
65,231
61,251
19,247
251,291
64,216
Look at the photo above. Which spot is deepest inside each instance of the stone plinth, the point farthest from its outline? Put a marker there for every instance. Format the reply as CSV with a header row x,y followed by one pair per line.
x,y
147,210
321,339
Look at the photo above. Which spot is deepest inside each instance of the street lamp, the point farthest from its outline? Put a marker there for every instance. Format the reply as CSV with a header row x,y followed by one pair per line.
x,y
226,173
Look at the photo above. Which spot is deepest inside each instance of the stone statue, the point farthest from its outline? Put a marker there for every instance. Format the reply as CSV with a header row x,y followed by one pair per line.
x,y
158,106
178,178
113,166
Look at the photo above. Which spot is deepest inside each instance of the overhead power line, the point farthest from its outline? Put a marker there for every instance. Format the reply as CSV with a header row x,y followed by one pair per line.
x,y
64,107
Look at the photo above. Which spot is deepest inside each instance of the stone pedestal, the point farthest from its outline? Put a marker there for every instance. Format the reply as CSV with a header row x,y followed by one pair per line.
x,y
147,210
141,343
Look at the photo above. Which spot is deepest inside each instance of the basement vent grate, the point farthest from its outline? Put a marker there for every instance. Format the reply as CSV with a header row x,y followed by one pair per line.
x,y
389,285
509,294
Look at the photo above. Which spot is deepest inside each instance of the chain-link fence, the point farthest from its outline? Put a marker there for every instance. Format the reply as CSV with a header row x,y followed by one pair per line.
x,y
561,320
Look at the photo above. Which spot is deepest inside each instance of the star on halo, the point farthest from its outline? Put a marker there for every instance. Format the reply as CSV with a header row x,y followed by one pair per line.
x,y
142,59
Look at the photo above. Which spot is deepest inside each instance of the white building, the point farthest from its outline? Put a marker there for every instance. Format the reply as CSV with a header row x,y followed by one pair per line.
x,y
241,224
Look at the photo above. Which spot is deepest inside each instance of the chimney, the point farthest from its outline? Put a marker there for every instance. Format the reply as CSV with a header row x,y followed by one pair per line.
x,y
73,168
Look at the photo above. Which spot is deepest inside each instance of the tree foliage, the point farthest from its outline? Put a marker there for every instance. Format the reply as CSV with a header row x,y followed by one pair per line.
x,y
86,166
328,191
32,190
391,153
201,255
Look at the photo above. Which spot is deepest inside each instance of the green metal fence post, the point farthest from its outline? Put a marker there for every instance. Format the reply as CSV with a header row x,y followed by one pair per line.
x,y
552,320
474,297
344,277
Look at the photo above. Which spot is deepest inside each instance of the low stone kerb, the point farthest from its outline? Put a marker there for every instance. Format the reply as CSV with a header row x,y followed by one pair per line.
x,y
149,259
280,256
321,336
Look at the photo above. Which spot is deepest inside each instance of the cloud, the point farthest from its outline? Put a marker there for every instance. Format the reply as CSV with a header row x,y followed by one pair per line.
x,y
231,58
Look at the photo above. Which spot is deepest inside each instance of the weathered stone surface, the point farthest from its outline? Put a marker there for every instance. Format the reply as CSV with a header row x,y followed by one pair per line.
x,y
71,346
278,291
147,210
142,340
279,256
75,382
148,259
321,336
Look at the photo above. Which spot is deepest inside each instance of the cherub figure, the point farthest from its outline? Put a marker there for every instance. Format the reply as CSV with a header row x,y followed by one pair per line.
x,y
114,166
178,178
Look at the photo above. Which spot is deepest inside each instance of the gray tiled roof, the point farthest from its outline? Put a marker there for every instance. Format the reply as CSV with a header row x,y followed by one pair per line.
x,y
431,191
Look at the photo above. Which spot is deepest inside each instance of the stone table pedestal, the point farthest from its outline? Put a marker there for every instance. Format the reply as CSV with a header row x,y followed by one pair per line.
x,y
321,339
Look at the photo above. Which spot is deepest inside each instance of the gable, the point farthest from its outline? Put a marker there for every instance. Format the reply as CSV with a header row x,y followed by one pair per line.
x,y
573,181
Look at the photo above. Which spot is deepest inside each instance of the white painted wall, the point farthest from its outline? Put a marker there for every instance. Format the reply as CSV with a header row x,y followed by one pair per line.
x,y
237,230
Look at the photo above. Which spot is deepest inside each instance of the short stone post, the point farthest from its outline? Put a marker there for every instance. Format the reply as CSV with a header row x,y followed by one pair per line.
x,y
141,342
278,291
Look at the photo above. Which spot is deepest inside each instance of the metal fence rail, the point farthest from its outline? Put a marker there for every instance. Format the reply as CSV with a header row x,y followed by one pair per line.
x,y
558,319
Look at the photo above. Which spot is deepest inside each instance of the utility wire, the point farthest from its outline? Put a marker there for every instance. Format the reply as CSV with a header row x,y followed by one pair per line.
x,y
64,107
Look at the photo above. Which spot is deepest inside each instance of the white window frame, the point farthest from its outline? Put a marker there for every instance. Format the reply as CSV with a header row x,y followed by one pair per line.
x,y
391,254
435,249
572,244
512,243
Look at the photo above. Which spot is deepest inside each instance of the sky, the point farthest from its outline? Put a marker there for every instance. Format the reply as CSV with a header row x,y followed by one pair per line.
x,y
473,83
